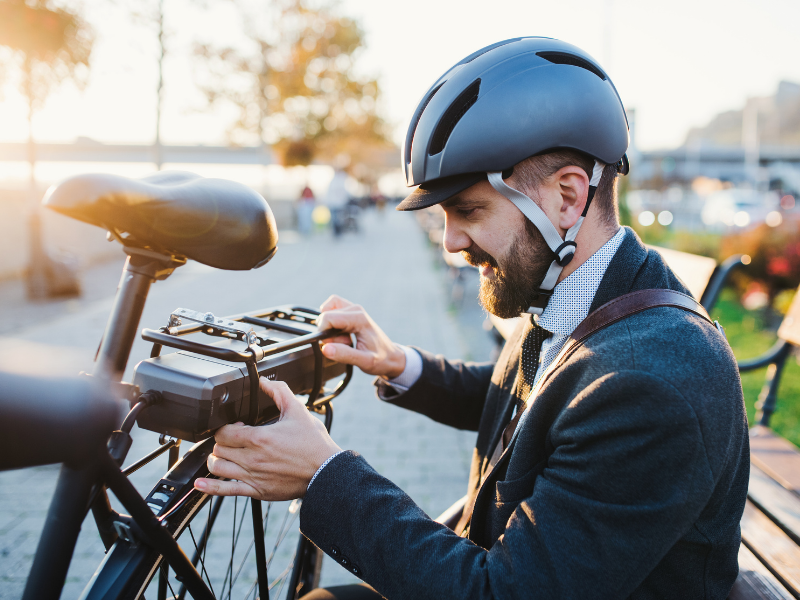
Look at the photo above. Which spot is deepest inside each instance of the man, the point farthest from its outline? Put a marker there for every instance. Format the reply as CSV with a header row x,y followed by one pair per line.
x,y
618,472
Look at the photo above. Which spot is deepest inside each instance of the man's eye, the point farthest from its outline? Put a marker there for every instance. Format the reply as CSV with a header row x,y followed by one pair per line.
x,y
465,212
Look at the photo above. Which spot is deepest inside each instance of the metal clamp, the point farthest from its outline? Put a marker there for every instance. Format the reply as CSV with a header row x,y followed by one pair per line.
x,y
124,532
207,319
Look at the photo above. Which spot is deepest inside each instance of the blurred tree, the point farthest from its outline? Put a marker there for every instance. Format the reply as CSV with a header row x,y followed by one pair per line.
x,y
47,45
296,89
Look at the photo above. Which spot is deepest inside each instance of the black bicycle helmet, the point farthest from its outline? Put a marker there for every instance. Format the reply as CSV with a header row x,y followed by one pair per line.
x,y
505,103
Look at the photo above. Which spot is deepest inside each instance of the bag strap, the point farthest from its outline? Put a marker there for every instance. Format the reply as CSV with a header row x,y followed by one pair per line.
x,y
616,310
608,314
630,304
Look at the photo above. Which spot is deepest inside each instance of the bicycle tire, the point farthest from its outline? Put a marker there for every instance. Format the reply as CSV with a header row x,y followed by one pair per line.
x,y
129,569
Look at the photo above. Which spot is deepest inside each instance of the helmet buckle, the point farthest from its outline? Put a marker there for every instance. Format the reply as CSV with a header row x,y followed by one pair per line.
x,y
562,260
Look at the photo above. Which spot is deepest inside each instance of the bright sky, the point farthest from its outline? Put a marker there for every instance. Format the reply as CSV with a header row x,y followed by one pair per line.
x,y
677,63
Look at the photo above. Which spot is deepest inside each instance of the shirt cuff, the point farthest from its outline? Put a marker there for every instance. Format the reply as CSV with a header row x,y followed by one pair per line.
x,y
410,374
322,466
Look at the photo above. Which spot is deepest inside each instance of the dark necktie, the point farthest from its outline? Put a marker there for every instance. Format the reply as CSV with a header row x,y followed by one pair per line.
x,y
528,364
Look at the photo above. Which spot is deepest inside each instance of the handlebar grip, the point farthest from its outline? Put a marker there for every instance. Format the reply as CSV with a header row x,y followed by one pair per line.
x,y
45,420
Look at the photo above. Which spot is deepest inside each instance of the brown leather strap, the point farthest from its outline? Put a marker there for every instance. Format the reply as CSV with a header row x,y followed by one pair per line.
x,y
607,314
633,303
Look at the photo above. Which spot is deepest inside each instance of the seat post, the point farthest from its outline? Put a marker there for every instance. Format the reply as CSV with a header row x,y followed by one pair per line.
x,y
142,268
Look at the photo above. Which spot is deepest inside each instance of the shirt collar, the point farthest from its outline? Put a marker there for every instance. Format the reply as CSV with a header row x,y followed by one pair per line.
x,y
572,298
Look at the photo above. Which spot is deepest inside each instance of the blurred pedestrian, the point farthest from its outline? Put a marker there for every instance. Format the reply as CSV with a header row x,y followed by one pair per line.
x,y
378,199
337,199
305,208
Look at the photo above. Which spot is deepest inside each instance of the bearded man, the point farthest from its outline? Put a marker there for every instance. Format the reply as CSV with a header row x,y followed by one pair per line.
x,y
618,470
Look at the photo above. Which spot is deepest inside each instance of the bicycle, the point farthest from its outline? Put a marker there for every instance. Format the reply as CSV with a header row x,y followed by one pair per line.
x,y
161,221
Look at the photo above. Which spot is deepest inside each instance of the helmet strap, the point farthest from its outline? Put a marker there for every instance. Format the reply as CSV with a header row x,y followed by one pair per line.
x,y
563,249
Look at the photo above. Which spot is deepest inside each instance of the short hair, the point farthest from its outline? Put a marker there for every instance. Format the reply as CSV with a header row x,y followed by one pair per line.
x,y
531,172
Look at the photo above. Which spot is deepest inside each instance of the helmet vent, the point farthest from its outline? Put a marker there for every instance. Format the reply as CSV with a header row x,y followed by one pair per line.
x,y
564,58
418,116
453,115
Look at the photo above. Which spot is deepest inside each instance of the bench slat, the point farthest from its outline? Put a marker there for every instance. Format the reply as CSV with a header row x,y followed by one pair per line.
x,y
776,456
695,271
755,582
779,504
772,547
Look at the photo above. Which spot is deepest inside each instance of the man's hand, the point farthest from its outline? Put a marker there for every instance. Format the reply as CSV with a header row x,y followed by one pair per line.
x,y
272,462
375,353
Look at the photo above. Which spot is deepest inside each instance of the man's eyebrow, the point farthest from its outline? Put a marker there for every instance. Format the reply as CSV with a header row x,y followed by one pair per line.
x,y
462,202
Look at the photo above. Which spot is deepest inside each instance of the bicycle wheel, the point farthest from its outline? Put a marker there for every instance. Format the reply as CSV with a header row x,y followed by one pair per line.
x,y
218,534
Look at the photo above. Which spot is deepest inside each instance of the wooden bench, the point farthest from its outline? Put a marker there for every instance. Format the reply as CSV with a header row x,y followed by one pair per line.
x,y
771,521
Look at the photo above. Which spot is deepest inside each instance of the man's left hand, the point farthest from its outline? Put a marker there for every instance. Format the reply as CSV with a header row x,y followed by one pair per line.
x,y
272,462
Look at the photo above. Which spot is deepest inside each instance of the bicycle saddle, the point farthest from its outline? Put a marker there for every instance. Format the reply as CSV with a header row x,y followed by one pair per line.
x,y
216,222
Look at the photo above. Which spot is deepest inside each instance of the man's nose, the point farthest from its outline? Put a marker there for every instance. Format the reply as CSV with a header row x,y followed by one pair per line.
x,y
455,239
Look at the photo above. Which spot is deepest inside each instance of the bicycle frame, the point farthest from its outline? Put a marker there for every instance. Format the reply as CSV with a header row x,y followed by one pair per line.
x,y
84,488
74,488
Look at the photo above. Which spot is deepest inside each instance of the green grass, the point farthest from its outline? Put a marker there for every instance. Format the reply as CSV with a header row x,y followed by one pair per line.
x,y
749,339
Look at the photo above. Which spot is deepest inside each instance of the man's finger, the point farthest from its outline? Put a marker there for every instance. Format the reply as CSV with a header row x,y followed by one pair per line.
x,y
350,356
215,487
333,303
225,468
236,435
351,321
240,456
339,339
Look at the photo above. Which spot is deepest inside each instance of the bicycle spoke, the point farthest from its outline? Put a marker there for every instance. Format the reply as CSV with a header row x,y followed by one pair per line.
x,y
284,529
213,511
282,577
250,547
229,580
202,562
234,539
169,585
208,531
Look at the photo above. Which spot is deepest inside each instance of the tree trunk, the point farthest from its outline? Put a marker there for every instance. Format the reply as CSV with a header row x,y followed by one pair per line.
x,y
37,287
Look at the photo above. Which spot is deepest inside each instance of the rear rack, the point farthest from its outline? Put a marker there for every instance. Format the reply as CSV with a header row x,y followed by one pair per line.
x,y
259,346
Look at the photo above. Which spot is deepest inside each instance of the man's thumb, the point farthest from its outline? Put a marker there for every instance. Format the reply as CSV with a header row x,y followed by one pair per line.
x,y
280,393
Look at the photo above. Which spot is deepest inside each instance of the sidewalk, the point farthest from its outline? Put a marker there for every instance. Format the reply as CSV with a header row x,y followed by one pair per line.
x,y
387,268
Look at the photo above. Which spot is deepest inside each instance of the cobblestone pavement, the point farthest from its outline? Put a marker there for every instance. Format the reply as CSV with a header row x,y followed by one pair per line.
x,y
387,267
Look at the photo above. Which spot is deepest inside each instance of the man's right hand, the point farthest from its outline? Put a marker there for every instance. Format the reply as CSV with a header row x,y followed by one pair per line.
x,y
375,353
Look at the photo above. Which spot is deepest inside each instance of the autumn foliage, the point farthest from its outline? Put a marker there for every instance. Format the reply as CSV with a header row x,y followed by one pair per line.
x,y
774,251
296,87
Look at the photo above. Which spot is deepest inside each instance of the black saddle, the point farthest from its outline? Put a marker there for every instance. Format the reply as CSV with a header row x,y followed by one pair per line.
x,y
216,222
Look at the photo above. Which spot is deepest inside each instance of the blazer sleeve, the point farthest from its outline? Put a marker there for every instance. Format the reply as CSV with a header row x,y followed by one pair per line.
x,y
449,392
628,476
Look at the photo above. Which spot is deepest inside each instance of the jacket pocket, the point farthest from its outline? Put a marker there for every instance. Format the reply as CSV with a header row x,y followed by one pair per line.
x,y
507,497
516,490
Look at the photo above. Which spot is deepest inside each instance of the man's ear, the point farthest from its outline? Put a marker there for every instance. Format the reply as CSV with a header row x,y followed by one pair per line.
x,y
572,184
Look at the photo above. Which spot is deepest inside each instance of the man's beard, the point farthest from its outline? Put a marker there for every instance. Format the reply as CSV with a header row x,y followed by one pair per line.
x,y
517,279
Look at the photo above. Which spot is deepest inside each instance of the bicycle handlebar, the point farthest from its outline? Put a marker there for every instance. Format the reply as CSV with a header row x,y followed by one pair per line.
x,y
53,420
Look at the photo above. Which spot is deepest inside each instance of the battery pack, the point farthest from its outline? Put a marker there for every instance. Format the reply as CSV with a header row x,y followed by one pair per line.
x,y
201,393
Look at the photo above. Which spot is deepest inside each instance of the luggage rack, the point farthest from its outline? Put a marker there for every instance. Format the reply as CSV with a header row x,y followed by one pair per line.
x,y
296,321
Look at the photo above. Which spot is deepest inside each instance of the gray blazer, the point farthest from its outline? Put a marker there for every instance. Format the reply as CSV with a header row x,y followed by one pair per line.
x,y
627,479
